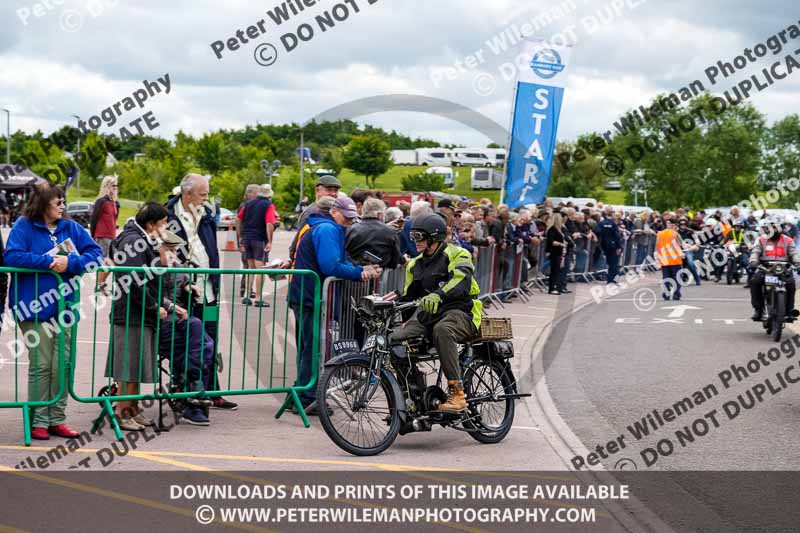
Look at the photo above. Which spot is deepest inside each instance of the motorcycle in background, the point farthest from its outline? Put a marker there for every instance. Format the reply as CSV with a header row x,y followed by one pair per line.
x,y
776,275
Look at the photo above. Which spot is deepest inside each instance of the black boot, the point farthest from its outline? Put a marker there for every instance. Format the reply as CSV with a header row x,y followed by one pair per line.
x,y
757,316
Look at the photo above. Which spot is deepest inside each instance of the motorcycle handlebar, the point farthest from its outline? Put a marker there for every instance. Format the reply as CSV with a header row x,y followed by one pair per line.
x,y
766,269
407,305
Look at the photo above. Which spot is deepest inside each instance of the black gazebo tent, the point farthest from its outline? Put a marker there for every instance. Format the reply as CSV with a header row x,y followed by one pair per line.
x,y
18,178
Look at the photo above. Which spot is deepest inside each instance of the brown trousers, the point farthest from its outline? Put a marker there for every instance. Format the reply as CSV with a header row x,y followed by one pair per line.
x,y
455,327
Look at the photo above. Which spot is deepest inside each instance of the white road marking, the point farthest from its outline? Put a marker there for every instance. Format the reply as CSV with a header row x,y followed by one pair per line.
x,y
526,427
686,300
679,310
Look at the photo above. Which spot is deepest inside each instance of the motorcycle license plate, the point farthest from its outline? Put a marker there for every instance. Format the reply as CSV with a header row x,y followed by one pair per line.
x,y
345,346
772,280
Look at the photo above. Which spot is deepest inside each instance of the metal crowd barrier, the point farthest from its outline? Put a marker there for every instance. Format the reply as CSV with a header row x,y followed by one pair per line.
x,y
484,269
255,349
15,344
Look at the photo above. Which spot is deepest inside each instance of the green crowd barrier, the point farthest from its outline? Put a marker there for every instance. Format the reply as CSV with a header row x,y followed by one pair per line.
x,y
253,358
28,315
255,347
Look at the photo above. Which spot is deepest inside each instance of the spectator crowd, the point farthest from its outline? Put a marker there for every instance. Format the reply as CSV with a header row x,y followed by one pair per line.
x,y
356,237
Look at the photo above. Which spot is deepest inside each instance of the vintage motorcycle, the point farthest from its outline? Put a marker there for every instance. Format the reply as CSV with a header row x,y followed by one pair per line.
x,y
776,276
735,267
374,393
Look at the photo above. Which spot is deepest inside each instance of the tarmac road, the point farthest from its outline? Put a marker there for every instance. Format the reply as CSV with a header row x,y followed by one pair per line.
x,y
619,361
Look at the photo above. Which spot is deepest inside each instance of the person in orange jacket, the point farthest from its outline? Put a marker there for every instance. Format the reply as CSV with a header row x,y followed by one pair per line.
x,y
670,257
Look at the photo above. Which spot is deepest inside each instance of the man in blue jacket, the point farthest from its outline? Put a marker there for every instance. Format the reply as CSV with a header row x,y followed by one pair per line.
x,y
320,249
610,238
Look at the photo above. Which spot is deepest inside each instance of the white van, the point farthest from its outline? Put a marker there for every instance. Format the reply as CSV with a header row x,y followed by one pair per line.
x,y
447,172
404,157
431,157
497,155
486,178
472,159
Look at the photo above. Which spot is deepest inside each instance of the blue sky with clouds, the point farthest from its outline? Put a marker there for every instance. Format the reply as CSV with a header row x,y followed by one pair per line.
x,y
76,57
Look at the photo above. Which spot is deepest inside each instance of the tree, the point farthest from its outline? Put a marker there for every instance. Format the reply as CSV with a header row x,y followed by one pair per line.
x,y
289,196
782,157
580,178
92,159
368,156
690,163
332,160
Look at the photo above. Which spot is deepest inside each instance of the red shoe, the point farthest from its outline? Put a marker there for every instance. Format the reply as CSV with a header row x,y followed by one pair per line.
x,y
63,430
40,434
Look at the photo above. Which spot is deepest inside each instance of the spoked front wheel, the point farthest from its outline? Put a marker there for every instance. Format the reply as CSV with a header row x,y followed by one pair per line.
x,y
491,414
362,416
780,312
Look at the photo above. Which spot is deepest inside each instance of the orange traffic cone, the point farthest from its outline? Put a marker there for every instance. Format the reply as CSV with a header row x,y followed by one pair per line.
x,y
230,241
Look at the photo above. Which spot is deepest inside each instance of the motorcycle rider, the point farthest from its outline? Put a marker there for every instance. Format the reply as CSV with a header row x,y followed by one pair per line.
x,y
736,236
450,312
772,246
713,240
690,248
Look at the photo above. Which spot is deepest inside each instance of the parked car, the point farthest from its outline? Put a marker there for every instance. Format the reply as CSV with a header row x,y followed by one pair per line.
x,y
80,212
227,219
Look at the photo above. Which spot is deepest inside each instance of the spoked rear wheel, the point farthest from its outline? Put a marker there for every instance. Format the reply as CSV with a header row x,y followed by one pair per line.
x,y
363,419
491,416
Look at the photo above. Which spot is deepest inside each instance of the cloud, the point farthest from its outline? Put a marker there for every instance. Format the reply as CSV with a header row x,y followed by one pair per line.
x,y
622,59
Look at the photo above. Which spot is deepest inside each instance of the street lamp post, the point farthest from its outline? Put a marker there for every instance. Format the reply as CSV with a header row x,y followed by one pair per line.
x,y
77,157
8,136
269,169
302,160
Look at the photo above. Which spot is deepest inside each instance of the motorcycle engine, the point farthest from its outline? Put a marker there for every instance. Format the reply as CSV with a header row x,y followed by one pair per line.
x,y
432,398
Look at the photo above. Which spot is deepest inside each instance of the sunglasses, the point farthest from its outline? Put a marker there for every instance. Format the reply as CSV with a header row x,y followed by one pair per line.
x,y
61,201
418,236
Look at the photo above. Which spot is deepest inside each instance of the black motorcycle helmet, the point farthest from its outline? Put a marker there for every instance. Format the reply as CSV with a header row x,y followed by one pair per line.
x,y
430,227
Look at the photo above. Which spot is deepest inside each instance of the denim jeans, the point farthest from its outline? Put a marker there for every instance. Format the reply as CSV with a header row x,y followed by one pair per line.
x,y
507,268
690,258
641,253
581,258
198,361
600,261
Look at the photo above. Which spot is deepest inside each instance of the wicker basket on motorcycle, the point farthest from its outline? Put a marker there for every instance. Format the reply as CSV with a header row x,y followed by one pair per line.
x,y
495,329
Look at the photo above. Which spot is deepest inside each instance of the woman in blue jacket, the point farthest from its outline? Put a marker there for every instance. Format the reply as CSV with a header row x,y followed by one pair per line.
x,y
42,239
